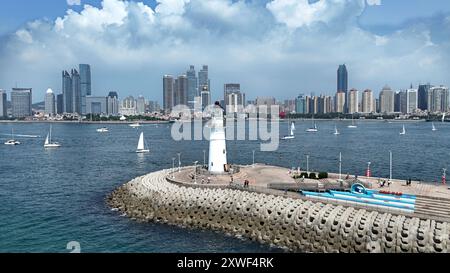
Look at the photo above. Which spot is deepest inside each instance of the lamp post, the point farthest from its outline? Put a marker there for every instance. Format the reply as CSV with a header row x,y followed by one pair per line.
x,y
307,164
173,167
340,166
390,165
253,159
179,162
368,174
204,158
195,172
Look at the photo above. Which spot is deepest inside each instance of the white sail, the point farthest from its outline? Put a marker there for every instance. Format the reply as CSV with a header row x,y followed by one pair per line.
x,y
403,130
292,129
433,127
47,140
141,145
443,117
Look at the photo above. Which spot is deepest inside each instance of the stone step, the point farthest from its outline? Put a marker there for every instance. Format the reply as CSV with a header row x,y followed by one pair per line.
x,y
429,200
433,207
432,212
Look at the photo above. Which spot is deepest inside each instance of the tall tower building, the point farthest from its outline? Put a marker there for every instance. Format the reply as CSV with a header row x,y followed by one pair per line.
x,y
340,102
353,101
217,143
140,105
192,87
387,100
203,78
367,101
168,93
422,96
411,100
3,106
21,100
50,102
85,85
438,97
76,89
60,104
300,104
112,104
205,97
67,92
234,99
342,83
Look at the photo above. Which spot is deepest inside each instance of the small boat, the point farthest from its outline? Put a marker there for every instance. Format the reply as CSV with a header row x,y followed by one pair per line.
x,y
141,145
336,132
103,130
291,133
403,132
433,128
443,117
12,141
135,125
352,126
314,128
48,141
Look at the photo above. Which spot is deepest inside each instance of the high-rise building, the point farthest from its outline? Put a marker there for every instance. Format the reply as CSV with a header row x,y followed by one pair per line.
x,y
67,92
21,100
340,102
387,100
353,101
289,106
49,102
438,99
153,107
128,106
168,93
342,83
367,101
234,98
268,102
3,105
112,107
422,96
203,78
181,89
205,97
401,102
411,101
192,87
85,85
300,104
96,105
140,105
60,104
76,89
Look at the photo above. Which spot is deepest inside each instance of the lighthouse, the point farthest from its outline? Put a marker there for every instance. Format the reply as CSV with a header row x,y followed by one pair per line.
x,y
217,144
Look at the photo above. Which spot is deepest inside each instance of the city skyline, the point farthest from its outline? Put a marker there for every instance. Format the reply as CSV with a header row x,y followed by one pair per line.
x,y
270,55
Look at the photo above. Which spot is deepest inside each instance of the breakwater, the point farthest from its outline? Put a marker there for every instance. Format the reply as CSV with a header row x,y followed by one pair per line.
x,y
294,224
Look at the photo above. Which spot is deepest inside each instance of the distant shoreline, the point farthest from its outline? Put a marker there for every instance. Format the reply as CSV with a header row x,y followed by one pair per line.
x,y
84,122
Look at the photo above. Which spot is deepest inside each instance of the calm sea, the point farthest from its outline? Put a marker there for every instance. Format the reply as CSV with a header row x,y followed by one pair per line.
x,y
49,198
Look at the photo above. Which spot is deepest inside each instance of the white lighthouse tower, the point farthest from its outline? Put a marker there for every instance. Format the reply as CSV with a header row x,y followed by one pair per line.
x,y
217,144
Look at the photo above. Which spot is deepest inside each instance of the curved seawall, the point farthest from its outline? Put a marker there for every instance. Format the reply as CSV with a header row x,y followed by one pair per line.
x,y
294,224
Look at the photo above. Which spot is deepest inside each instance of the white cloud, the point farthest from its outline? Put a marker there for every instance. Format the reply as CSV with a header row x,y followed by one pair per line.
x,y
373,2
280,49
73,2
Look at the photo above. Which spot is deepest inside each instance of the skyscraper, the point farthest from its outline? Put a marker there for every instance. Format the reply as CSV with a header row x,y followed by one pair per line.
x,y
50,102
168,93
96,105
3,106
340,102
353,101
438,99
60,104
21,100
128,106
300,104
181,96
85,85
342,83
203,78
192,88
140,105
367,101
67,92
387,100
411,101
112,107
76,89
233,97
422,96
205,97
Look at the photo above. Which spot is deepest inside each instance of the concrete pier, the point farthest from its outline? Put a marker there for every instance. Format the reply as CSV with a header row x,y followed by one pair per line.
x,y
273,217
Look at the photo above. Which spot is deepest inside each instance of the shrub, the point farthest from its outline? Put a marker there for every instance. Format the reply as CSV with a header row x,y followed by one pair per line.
x,y
323,175
312,176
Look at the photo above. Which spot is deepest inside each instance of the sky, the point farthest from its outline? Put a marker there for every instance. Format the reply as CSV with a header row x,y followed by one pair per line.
x,y
277,48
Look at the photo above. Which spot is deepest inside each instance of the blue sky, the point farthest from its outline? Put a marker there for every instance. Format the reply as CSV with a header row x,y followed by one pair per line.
x,y
291,45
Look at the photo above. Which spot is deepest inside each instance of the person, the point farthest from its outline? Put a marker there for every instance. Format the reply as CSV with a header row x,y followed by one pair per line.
x,y
209,180
407,182
203,180
347,177
410,182
389,183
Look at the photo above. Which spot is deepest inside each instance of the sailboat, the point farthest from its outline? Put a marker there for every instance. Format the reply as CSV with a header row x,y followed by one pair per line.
x,y
314,128
433,128
403,132
103,130
48,141
443,117
12,141
352,126
336,132
141,145
291,133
